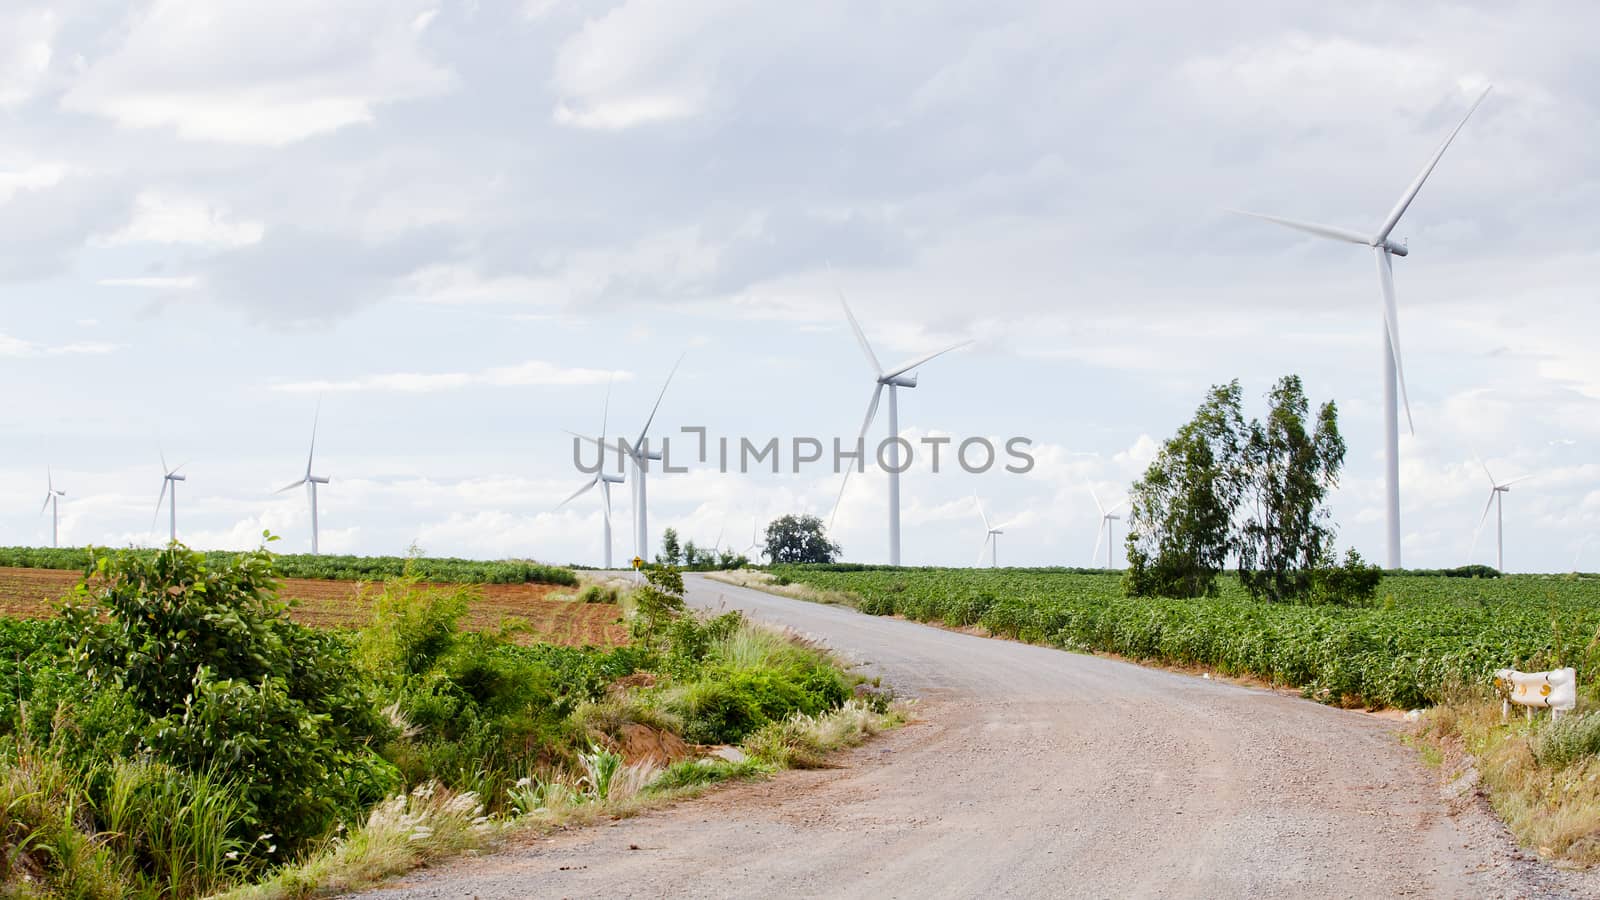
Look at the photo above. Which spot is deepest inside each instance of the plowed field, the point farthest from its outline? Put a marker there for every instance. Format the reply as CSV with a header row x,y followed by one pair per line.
x,y
30,593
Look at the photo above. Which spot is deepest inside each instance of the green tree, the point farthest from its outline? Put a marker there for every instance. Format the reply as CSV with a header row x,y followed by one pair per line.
x,y
799,539
670,552
1290,464
657,604
1181,510
691,555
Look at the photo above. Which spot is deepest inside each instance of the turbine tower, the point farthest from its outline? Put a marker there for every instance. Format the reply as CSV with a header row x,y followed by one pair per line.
x,y
1107,516
900,376
1497,492
602,478
169,479
51,496
310,481
1383,250
991,544
641,458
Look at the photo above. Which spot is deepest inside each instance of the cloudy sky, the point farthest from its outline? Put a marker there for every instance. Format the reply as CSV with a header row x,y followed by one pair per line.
x,y
455,221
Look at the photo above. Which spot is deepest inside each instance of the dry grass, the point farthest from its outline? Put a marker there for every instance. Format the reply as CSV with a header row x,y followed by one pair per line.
x,y
804,742
765,581
1539,776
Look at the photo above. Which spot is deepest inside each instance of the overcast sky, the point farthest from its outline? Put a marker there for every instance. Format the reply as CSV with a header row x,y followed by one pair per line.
x,y
455,222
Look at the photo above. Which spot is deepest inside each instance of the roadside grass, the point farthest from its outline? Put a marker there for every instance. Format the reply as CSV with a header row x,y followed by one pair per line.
x,y
432,823
772,584
1542,777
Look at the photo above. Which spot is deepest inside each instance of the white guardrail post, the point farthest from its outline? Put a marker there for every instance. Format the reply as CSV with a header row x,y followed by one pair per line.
x,y
1556,691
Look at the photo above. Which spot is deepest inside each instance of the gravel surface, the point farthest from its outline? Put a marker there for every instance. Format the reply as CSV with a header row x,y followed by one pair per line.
x,y
1035,772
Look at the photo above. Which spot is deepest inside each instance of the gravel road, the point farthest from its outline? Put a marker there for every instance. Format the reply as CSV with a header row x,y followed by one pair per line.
x,y
1035,772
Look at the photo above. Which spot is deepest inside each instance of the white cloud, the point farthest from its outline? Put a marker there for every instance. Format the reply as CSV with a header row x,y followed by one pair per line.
x,y
171,219
19,348
239,71
532,372
158,282
31,178
26,48
640,63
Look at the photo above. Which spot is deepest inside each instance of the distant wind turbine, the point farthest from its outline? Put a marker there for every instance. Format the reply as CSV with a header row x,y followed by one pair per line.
x,y
309,480
604,479
641,457
991,544
1383,249
169,479
1497,491
900,376
1104,532
51,497
755,542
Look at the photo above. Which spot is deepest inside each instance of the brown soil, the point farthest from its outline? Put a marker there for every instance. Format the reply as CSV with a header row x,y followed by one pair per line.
x,y
528,608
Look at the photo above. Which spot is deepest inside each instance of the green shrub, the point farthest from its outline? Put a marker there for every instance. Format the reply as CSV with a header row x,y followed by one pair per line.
x,y
210,657
1568,740
696,772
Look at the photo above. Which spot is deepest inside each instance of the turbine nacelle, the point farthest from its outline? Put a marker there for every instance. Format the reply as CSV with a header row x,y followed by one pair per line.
x,y
905,380
1396,249
609,478
317,479
174,476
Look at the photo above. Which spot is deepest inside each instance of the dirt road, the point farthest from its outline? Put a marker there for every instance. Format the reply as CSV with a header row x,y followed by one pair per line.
x,y
1036,772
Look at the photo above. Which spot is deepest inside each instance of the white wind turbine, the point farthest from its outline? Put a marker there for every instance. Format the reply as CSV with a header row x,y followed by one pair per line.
x,y
1104,532
604,479
169,479
900,376
311,481
51,496
991,545
755,542
1497,492
641,457
1384,250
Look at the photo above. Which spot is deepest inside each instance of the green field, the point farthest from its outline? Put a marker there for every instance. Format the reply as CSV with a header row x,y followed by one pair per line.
x,y
334,568
1423,638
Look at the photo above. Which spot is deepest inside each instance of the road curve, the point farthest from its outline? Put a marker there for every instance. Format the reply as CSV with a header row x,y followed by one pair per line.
x,y
1034,772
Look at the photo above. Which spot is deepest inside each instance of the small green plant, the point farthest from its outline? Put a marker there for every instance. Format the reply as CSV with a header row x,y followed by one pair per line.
x,y
600,767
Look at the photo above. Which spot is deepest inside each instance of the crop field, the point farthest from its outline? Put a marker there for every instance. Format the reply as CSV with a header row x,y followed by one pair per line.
x,y
1423,638
529,608
335,568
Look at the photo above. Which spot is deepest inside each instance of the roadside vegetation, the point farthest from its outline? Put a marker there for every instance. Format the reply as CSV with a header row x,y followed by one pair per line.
x,y
174,733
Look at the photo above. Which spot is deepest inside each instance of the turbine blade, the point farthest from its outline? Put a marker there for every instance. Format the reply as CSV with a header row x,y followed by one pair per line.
x,y
580,491
984,548
164,469
861,337
1118,505
1332,232
922,359
159,500
1416,184
601,444
46,502
646,429
1485,466
290,487
49,478
312,455
872,411
981,513
839,499
1515,480
1099,535
1391,323
1479,530
1097,503
605,411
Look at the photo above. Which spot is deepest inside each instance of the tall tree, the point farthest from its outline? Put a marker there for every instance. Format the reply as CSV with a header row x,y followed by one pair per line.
x,y
670,552
799,539
1181,511
1290,465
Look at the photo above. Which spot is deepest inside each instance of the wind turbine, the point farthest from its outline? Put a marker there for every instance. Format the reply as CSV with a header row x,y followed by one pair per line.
x,y
900,376
755,542
1383,250
1497,490
309,480
603,478
1107,516
641,457
990,543
169,479
51,496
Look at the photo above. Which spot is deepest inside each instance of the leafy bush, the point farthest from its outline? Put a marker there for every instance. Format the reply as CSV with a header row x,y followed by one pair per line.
x,y
223,678
1568,740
